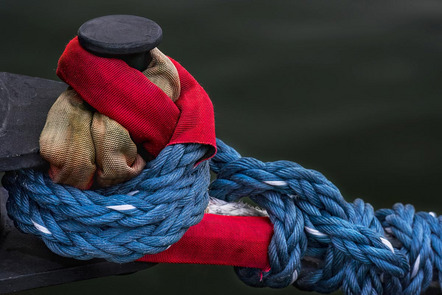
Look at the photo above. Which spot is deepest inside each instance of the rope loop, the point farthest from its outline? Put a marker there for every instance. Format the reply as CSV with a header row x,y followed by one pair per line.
x,y
123,223
322,243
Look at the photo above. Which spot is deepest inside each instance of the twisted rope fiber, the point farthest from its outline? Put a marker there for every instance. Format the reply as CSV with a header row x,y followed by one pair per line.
x,y
121,224
320,242
323,243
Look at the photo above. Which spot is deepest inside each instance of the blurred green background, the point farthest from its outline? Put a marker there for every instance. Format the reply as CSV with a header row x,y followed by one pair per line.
x,y
352,89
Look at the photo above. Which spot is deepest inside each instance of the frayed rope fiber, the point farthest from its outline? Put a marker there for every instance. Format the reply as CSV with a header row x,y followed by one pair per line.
x,y
320,242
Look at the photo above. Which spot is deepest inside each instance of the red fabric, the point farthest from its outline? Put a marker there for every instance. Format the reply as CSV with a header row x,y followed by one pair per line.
x,y
127,96
124,94
222,240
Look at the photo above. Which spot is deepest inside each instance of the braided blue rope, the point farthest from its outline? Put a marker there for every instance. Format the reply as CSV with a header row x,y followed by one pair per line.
x,y
142,216
320,242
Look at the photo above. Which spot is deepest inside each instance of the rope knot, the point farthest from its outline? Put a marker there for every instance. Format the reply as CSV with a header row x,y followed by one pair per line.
x,y
145,214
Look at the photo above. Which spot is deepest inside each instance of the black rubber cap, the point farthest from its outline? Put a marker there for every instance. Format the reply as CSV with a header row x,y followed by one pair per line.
x,y
114,35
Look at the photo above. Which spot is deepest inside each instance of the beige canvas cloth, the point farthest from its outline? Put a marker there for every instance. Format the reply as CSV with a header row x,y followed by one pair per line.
x,y
85,147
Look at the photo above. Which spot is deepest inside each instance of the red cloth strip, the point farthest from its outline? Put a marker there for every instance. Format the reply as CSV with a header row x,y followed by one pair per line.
x,y
124,94
222,240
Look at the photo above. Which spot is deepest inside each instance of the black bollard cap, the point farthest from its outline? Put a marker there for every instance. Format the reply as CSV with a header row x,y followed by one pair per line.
x,y
114,35
127,37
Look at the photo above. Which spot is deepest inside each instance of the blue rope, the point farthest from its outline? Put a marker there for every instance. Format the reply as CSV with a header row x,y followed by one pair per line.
x,y
320,242
121,224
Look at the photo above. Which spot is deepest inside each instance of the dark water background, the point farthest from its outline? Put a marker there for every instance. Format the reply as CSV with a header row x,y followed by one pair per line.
x,y
352,89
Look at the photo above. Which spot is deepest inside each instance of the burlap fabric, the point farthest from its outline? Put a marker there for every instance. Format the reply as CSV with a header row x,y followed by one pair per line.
x,y
85,147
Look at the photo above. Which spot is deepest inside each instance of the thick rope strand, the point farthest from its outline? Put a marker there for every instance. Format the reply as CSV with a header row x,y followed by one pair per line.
x,y
322,243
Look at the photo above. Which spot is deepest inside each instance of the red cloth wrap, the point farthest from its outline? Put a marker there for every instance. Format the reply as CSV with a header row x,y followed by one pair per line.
x,y
124,94
222,240
127,96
